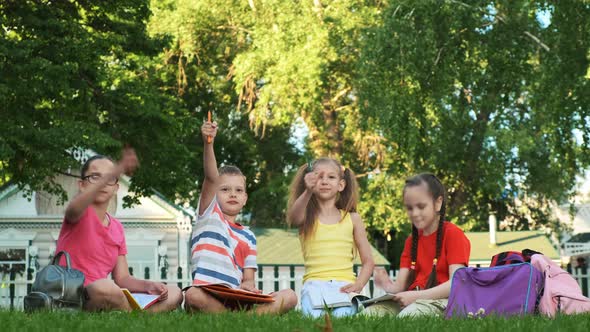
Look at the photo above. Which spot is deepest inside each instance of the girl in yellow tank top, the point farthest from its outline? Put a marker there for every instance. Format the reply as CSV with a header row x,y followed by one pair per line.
x,y
322,204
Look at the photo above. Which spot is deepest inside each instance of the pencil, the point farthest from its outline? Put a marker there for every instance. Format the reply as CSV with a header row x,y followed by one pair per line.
x,y
209,119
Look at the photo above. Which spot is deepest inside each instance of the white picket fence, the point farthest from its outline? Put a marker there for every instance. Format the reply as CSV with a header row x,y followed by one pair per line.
x,y
13,292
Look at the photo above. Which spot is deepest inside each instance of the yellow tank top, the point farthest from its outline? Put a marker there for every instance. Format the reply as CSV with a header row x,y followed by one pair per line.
x,y
328,253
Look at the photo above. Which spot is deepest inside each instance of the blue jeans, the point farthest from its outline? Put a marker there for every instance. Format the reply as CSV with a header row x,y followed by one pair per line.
x,y
314,286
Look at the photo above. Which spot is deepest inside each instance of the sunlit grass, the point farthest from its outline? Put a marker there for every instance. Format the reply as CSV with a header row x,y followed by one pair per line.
x,y
294,321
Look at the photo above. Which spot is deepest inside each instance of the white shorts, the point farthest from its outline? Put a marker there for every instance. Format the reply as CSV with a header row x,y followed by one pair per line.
x,y
314,288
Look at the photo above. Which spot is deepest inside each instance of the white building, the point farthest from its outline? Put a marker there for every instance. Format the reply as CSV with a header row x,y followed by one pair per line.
x,y
576,245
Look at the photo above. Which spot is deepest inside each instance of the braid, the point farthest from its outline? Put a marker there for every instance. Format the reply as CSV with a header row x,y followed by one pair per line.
x,y
414,256
439,237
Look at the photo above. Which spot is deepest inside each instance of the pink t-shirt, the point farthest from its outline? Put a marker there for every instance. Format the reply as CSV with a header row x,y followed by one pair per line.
x,y
93,248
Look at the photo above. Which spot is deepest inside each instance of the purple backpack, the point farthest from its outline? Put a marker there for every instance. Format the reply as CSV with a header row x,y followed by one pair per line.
x,y
505,290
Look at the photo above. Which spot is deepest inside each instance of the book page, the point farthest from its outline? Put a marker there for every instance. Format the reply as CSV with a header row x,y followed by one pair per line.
x,y
140,300
335,298
145,300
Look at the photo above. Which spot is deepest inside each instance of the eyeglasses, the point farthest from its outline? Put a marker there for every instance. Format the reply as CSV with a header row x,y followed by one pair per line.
x,y
95,177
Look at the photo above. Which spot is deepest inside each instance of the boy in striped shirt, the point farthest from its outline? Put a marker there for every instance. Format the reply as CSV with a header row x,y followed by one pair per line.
x,y
223,251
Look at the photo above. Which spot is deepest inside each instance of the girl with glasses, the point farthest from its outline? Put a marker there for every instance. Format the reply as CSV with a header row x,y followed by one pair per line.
x,y
95,240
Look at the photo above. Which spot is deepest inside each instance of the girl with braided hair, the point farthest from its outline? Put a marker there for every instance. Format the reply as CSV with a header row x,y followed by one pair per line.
x,y
434,251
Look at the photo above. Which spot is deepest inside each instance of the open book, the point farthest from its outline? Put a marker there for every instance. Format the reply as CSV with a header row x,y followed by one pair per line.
x,y
335,299
385,297
140,301
226,294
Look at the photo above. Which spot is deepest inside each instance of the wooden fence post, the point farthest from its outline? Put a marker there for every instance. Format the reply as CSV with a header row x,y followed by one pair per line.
x,y
11,287
276,278
292,274
583,273
179,276
29,278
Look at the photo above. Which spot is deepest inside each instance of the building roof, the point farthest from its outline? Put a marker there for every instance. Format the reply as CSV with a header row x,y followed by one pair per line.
x,y
580,238
277,246
482,251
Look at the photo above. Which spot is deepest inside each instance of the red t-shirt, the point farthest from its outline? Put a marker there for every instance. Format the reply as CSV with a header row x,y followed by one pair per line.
x,y
455,250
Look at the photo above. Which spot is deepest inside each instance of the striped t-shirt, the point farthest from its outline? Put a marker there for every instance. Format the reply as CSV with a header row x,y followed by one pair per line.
x,y
221,249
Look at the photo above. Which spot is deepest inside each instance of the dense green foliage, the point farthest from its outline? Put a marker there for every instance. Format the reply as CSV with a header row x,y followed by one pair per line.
x,y
492,96
80,75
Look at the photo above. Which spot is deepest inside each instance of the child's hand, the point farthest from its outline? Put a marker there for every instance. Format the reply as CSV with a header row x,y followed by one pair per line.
x,y
128,163
406,298
352,288
312,179
249,286
157,288
208,129
382,279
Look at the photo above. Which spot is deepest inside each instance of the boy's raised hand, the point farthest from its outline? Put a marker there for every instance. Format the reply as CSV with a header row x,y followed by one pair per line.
x,y
208,129
312,179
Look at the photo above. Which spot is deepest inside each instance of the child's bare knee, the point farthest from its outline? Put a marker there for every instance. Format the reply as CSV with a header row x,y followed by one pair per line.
x,y
195,297
290,299
174,295
105,294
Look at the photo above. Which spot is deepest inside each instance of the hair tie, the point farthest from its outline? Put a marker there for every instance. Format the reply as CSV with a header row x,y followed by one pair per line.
x,y
413,266
343,168
434,261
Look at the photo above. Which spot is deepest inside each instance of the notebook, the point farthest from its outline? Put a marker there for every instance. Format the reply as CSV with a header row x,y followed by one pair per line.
x,y
140,301
225,293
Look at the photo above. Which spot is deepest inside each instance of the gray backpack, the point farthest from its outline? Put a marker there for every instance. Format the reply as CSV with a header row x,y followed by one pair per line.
x,y
56,287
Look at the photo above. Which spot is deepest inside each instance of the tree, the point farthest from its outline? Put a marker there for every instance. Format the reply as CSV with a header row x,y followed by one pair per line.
x,y
206,37
284,61
74,75
487,97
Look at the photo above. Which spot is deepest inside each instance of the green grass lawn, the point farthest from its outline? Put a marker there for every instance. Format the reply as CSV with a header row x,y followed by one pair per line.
x,y
180,322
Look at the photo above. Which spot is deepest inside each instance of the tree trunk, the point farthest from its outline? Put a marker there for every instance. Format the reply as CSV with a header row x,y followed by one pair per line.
x,y
326,137
470,173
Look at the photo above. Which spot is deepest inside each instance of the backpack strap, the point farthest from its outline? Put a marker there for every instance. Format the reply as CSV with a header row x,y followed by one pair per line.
x,y
507,257
528,254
